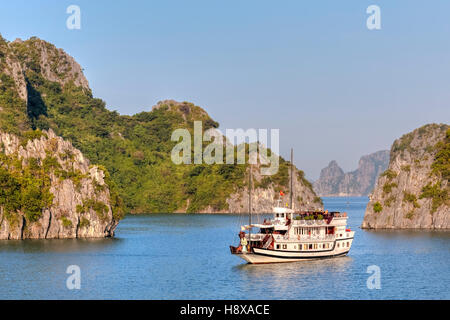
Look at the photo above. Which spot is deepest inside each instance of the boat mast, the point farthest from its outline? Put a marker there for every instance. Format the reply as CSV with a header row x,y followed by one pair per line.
x,y
292,178
250,205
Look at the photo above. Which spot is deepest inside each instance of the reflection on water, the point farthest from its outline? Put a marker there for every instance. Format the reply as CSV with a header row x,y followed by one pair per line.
x,y
412,234
57,245
187,257
300,268
314,279
285,279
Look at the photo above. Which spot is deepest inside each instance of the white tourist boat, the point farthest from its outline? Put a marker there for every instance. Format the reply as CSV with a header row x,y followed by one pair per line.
x,y
294,236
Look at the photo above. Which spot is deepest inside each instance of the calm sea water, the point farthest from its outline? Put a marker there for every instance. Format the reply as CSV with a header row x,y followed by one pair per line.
x,y
187,257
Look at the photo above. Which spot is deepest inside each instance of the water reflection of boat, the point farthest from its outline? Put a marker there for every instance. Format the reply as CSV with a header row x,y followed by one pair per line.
x,y
310,267
278,278
294,235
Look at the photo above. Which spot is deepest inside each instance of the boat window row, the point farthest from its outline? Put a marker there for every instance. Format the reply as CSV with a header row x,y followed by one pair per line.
x,y
305,246
344,245
312,246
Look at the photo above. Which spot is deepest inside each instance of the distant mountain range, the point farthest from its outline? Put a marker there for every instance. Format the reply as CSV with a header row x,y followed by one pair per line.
x,y
334,182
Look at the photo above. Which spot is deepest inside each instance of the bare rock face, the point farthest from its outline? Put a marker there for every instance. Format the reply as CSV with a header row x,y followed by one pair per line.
x,y
54,64
330,180
187,110
264,198
13,69
414,192
333,182
80,205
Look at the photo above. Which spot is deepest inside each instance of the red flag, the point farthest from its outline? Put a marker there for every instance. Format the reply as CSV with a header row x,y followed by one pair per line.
x,y
281,193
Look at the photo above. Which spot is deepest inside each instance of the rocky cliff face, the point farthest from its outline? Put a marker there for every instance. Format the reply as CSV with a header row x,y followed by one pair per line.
x,y
77,199
330,180
11,66
414,191
47,187
334,182
54,64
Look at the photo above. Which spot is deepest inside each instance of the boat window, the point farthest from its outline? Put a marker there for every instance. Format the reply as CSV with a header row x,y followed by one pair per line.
x,y
310,246
338,245
284,246
299,247
278,246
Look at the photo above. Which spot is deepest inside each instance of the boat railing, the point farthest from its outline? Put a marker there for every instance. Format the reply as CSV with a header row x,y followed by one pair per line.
x,y
308,222
280,222
257,236
326,237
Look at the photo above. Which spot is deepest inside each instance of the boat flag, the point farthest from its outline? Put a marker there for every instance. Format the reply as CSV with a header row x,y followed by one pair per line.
x,y
281,193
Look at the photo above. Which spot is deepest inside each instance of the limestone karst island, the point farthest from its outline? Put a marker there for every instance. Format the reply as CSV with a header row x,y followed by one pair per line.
x,y
72,168
414,191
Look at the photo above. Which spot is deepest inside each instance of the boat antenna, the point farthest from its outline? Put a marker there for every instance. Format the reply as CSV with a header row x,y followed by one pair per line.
x,y
292,178
250,204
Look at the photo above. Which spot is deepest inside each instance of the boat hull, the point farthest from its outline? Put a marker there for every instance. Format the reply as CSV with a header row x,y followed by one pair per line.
x,y
260,256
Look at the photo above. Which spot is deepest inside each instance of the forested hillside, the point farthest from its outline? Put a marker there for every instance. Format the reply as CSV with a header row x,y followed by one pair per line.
x,y
134,149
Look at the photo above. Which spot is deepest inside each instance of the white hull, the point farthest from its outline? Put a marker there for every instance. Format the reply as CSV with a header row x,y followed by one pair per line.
x,y
253,258
260,255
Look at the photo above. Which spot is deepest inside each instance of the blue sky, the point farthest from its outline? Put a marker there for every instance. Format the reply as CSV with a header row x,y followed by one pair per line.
x,y
335,89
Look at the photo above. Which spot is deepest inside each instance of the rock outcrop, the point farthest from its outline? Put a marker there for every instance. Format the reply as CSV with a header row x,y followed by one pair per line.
x,y
333,182
79,205
414,192
330,180
54,64
11,66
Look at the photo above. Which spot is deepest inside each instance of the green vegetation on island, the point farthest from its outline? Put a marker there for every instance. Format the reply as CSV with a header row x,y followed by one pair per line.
x,y
134,150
